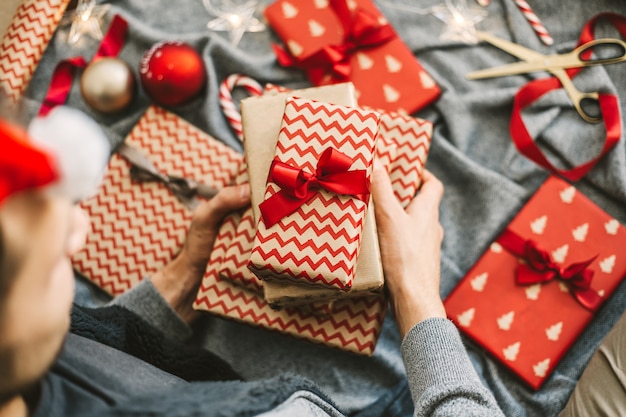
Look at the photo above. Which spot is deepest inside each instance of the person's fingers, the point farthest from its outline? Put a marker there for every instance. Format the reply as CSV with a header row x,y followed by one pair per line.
x,y
386,205
211,213
80,229
429,196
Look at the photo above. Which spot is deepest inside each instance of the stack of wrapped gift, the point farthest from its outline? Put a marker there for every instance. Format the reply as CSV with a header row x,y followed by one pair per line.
x,y
304,258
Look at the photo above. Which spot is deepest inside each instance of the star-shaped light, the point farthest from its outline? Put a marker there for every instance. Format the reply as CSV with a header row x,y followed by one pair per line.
x,y
85,20
460,21
235,17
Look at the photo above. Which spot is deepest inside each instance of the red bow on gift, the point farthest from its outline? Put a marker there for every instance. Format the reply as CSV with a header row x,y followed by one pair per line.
x,y
540,268
361,30
298,186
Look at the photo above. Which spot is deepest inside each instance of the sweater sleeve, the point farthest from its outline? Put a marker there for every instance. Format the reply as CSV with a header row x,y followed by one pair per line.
x,y
442,379
145,301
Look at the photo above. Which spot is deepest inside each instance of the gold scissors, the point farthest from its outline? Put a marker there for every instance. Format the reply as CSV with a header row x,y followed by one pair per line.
x,y
555,64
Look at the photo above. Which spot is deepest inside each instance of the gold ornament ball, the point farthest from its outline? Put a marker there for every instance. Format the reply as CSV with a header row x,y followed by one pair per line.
x,y
108,85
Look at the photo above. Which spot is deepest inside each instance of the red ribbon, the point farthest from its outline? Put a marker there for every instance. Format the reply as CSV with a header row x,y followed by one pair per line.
x,y
541,268
298,186
609,106
361,30
64,72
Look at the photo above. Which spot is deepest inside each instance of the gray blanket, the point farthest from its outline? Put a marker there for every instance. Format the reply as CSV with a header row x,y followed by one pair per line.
x,y
487,181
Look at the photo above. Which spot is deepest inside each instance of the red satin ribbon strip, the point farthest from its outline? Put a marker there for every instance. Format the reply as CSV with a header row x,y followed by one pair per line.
x,y
361,30
65,71
609,107
539,267
298,186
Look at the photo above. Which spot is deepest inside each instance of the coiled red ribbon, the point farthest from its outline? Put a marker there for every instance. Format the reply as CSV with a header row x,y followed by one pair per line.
x,y
64,72
531,92
539,267
298,186
361,30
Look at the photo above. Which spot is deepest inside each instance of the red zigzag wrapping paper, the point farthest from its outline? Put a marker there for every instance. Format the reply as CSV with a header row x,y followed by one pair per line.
x,y
530,328
25,41
138,228
319,243
353,325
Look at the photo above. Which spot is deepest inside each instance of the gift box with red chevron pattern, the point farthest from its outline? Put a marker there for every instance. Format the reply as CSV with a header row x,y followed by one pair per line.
x,y
25,41
535,289
321,170
350,40
352,324
136,228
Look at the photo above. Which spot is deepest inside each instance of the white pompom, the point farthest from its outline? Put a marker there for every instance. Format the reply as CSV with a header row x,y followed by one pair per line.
x,y
80,146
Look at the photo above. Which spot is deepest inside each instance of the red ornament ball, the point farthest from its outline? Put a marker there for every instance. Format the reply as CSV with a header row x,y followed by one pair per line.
x,y
172,73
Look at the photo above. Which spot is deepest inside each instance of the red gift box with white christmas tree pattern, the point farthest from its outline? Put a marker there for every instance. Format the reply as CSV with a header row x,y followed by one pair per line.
x,y
136,228
321,170
535,289
25,42
350,40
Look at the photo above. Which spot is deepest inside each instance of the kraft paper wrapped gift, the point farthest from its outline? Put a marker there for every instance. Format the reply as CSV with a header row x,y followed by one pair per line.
x,y
525,300
138,227
25,41
318,240
350,40
353,325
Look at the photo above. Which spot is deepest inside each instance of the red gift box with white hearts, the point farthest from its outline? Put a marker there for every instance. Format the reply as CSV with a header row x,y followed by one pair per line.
x,y
137,228
321,171
535,289
350,40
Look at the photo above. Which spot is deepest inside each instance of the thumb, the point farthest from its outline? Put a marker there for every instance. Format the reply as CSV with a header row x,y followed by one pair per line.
x,y
386,205
211,213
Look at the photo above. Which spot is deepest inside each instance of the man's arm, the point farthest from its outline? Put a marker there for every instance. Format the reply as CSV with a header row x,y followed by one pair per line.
x,y
440,374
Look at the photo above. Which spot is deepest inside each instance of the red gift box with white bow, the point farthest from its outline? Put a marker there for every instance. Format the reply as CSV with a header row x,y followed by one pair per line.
x,y
350,40
535,289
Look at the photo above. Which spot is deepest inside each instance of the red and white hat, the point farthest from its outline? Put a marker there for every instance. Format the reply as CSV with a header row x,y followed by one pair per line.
x,y
63,153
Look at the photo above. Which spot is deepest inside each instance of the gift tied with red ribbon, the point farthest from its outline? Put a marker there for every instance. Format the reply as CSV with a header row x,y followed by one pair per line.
x,y
531,92
361,30
298,186
64,72
539,267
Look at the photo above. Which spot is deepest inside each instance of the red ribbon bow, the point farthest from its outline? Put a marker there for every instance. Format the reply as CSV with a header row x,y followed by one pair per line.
x,y
541,268
361,30
298,186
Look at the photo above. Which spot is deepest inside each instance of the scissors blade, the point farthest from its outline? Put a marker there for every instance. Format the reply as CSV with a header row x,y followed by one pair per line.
x,y
510,69
514,49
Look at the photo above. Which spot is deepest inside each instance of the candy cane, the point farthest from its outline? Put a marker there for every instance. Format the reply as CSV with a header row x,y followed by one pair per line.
x,y
226,99
534,21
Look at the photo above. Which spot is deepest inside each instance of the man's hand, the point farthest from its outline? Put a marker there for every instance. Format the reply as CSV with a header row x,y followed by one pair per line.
x,y
410,245
178,281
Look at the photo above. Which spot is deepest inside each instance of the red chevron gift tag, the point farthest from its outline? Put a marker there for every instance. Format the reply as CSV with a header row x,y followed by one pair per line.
x,y
25,41
568,257
138,227
319,243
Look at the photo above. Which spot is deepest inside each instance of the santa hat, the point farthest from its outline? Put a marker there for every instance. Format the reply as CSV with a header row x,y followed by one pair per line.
x,y
63,153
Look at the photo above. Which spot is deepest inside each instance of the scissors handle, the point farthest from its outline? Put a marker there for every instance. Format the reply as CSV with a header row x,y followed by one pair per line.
x,y
579,98
581,56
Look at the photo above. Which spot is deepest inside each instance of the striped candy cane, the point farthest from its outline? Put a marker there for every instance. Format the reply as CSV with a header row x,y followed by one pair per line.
x,y
226,99
534,21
